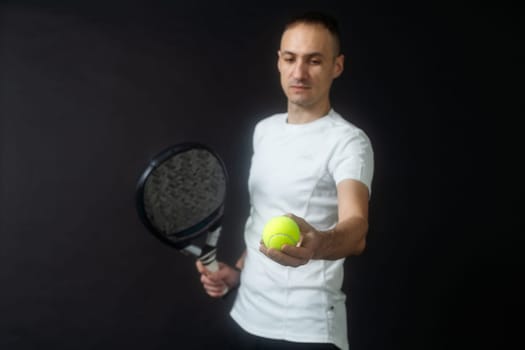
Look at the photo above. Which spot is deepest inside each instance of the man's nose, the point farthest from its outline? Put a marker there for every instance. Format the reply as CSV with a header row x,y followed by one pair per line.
x,y
300,70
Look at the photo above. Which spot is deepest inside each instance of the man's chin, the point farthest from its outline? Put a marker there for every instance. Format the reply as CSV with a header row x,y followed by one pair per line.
x,y
299,102
298,99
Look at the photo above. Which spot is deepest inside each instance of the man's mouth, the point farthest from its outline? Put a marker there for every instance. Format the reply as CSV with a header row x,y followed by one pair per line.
x,y
299,87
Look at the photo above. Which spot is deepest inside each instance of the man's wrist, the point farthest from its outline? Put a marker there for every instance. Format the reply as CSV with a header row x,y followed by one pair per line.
x,y
326,239
233,288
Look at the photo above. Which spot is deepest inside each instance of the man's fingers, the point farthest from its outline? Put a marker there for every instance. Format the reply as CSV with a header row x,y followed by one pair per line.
x,y
284,259
303,225
217,293
201,268
212,281
288,255
209,279
297,252
215,289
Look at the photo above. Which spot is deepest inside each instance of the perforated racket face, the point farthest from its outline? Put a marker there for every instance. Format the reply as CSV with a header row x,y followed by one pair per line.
x,y
184,192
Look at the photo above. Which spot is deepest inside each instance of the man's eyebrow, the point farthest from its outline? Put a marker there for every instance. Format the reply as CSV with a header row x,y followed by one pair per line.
x,y
307,55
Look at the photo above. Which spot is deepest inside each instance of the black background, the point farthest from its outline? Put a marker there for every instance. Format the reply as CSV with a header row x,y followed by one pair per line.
x,y
90,91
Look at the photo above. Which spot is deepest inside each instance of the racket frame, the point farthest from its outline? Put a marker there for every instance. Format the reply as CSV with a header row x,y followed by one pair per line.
x,y
184,238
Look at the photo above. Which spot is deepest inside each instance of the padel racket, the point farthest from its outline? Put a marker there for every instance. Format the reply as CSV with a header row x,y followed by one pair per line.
x,y
180,199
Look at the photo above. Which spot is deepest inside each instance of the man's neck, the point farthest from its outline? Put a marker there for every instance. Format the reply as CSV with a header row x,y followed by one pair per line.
x,y
301,115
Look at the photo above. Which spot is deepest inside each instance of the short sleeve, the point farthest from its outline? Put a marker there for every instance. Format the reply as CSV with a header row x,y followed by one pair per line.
x,y
353,158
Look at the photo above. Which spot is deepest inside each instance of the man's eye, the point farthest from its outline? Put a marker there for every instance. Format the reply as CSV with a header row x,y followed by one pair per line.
x,y
315,62
288,59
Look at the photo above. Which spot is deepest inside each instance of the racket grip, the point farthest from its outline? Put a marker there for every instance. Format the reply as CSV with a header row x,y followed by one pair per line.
x,y
209,261
213,266
208,258
208,255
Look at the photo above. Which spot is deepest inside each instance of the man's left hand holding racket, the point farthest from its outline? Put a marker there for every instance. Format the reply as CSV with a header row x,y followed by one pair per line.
x,y
180,199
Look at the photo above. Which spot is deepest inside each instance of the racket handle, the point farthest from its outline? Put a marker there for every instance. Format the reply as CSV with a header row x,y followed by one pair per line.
x,y
209,261
213,266
209,252
208,258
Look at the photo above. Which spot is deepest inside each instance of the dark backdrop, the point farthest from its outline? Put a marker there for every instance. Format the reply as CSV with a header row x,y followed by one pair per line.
x,y
90,91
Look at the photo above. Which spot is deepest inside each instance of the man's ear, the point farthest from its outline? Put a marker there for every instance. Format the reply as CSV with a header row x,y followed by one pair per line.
x,y
279,60
339,66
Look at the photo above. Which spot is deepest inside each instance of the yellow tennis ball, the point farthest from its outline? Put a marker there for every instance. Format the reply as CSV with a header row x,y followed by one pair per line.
x,y
280,230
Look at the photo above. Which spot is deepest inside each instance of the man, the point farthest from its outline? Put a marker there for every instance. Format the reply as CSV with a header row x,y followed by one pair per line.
x,y
316,167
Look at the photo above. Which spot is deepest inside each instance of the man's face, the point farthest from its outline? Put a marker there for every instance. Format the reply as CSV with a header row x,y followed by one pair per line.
x,y
308,64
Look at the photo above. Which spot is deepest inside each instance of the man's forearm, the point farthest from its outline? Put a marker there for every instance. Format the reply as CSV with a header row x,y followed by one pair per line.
x,y
347,238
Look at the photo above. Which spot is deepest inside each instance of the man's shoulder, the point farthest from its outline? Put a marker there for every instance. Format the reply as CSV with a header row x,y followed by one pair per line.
x,y
342,124
276,117
271,120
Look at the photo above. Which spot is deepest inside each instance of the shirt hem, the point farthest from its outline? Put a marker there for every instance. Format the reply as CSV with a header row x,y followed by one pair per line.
x,y
282,336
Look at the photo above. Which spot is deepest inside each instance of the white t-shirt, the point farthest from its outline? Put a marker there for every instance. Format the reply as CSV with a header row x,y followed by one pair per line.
x,y
295,169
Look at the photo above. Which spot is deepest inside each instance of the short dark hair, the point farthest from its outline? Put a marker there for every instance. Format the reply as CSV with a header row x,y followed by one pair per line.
x,y
321,18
